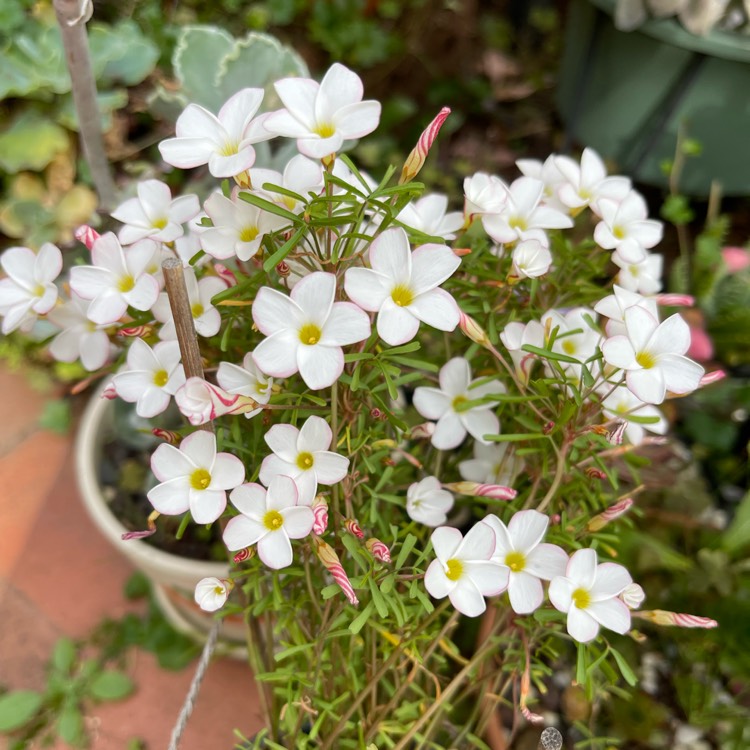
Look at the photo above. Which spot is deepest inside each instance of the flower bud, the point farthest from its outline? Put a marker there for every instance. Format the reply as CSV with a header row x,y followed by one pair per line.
x,y
472,330
320,513
614,511
201,401
415,160
330,560
475,489
353,527
244,554
168,436
633,595
378,550
86,235
663,617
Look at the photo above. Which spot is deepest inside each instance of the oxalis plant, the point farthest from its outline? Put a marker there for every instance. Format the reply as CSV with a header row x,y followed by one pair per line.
x,y
421,423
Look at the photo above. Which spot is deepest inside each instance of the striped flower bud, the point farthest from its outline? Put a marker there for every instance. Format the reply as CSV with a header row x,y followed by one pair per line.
x,y
663,617
86,235
415,160
614,511
353,527
244,554
475,489
472,330
168,436
330,560
201,401
378,550
320,512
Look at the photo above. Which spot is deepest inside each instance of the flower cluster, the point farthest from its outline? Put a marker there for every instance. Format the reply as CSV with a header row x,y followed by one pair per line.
x,y
312,289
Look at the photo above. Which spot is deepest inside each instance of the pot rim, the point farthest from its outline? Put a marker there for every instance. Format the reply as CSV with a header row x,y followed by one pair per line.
x,y
724,44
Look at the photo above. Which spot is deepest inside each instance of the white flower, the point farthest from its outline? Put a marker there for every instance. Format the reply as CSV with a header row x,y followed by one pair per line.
x,y
531,259
151,378
206,317
427,502
633,596
625,227
575,337
643,276
29,289
269,518
614,306
403,287
117,280
517,335
154,214
79,337
247,380
223,142
652,355
518,549
304,456
621,404
549,174
322,116
194,477
588,593
492,464
523,212
446,405
301,175
238,226
484,194
211,593
305,331
463,571
428,215
585,184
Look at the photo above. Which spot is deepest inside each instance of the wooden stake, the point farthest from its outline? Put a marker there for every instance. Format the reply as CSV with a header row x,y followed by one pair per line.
x,y
179,302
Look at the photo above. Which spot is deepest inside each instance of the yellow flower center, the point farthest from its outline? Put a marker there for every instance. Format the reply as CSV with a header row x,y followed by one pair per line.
x,y
197,310
261,388
581,598
569,347
518,222
305,461
248,234
126,283
219,590
618,232
515,561
200,479
159,223
230,149
160,378
310,334
455,569
273,520
458,402
325,130
645,360
634,270
402,295
39,290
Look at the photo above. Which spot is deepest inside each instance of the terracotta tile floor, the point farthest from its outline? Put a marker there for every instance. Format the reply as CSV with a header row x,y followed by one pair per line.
x,y
58,576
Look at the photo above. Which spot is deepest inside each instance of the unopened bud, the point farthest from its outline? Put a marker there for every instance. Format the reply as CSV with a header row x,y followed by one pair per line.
x,y
140,332
633,596
594,473
663,617
547,429
353,527
475,489
378,550
712,377
422,431
87,235
283,269
320,514
168,436
225,274
415,160
614,511
244,554
472,330
675,300
150,531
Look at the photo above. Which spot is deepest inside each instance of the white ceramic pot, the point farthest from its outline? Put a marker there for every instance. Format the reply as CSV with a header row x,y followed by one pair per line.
x,y
174,577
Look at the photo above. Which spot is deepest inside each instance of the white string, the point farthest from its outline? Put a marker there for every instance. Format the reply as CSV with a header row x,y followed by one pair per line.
x,y
195,685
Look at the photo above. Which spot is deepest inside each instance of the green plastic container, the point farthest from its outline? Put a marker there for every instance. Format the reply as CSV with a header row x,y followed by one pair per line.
x,y
626,94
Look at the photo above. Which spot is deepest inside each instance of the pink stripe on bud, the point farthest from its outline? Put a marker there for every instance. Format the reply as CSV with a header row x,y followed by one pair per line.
x,y
593,473
333,565
617,433
150,531
675,300
473,331
474,489
225,274
140,332
109,391
378,550
424,430
712,377
614,511
320,514
244,554
353,527
168,436
663,617
86,235
200,401
415,160
531,717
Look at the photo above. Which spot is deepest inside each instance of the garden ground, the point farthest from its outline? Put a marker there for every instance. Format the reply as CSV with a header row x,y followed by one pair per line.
x,y
58,576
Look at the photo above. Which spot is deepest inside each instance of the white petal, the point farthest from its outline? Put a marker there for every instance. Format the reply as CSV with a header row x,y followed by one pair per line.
x,y
152,401
431,266
330,467
298,96
671,337
561,593
314,435
282,440
171,498
467,599
527,528
298,521
436,308
227,473
445,541
273,465
144,293
581,568
168,462
197,122
274,312
618,352
547,561
107,308
242,531
431,403
314,295
391,256
282,493
478,544
366,288
357,120
320,366
438,585
480,422
249,499
346,324
277,355
641,324
239,109
613,614
229,166
449,432
681,374
275,550
611,580
490,578
581,625
186,153
455,376
340,87
525,592
647,385
503,542
207,505
395,324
